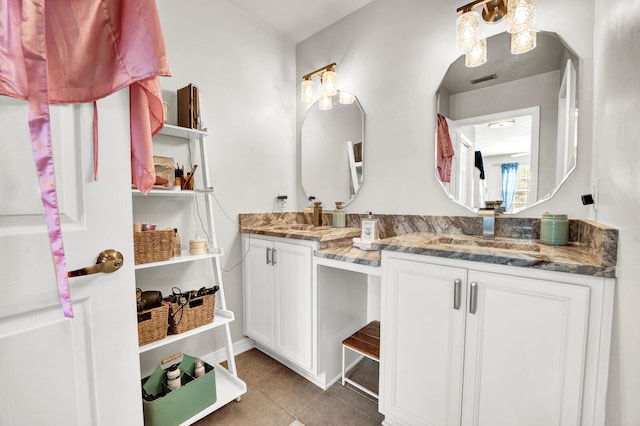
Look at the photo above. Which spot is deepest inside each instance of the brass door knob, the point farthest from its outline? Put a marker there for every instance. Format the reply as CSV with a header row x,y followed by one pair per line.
x,y
108,261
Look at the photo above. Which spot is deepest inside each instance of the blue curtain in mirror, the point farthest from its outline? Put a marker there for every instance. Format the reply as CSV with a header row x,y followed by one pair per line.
x,y
509,182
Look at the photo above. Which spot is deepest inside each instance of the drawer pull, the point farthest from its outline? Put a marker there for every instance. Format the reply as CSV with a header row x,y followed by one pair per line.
x,y
268,256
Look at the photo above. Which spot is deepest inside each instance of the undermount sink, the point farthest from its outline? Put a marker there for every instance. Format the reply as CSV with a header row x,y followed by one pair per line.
x,y
497,244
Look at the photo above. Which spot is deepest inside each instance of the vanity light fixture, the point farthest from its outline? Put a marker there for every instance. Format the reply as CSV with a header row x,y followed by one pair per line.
x,y
477,55
329,81
520,16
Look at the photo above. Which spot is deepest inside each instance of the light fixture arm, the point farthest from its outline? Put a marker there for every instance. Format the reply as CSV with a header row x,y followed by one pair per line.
x,y
330,67
493,10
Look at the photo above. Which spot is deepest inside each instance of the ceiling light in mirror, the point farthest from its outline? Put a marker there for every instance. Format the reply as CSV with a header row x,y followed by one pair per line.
x,y
502,123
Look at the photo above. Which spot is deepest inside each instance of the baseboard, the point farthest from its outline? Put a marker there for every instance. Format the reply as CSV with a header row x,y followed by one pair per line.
x,y
220,355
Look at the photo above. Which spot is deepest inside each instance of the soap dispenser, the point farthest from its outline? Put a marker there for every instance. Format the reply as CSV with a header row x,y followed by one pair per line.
x,y
339,216
317,214
309,207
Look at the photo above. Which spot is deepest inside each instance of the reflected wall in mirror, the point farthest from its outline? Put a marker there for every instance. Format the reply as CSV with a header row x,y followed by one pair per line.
x,y
331,148
512,124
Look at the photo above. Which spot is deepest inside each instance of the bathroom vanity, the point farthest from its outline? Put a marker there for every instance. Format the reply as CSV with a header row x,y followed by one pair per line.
x,y
473,331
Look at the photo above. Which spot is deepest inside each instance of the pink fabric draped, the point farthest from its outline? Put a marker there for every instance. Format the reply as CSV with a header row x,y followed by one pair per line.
x,y
444,150
74,51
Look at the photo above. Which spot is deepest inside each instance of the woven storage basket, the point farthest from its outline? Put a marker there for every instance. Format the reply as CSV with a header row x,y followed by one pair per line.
x,y
195,313
152,246
153,324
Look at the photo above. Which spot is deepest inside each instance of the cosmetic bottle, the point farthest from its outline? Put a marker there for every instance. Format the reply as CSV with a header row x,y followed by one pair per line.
x,y
173,377
199,369
317,214
370,229
339,216
177,244
309,207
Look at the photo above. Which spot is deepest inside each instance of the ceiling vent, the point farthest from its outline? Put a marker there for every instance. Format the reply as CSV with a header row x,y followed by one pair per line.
x,y
483,79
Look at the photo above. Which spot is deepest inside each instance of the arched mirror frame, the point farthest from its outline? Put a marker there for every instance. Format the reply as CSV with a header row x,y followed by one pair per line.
x,y
328,197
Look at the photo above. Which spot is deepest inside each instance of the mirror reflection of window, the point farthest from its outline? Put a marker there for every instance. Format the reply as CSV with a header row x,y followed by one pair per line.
x,y
541,84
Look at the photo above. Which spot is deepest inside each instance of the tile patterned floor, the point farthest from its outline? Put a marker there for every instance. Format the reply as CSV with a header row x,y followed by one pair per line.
x,y
277,396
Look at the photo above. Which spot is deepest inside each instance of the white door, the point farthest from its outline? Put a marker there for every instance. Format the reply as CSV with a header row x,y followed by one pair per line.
x,y
292,266
258,292
57,371
423,314
525,352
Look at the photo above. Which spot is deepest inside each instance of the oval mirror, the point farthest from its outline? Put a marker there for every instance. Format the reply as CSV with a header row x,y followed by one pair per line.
x,y
331,148
511,123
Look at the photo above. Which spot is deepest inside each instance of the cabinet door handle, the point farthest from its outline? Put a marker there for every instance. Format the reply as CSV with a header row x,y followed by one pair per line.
x,y
457,294
473,299
273,257
268,256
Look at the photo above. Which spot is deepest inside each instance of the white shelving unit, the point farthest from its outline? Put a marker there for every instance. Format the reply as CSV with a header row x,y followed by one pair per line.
x,y
228,385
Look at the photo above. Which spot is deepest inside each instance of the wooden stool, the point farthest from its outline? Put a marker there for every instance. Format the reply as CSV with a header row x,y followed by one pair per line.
x,y
366,342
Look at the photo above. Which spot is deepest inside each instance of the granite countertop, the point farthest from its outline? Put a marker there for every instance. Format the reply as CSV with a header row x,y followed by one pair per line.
x,y
592,247
574,258
328,236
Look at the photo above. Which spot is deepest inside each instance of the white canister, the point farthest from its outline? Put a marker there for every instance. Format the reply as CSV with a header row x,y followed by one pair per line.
x,y
199,369
173,377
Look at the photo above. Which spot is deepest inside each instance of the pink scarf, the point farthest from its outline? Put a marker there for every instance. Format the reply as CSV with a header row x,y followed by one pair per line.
x,y
74,51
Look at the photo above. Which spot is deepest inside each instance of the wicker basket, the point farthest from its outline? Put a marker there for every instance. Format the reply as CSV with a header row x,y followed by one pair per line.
x,y
195,313
153,324
152,246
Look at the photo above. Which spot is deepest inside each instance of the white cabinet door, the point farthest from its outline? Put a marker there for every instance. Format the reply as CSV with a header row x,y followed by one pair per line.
x,y
278,298
259,293
524,351
292,278
422,343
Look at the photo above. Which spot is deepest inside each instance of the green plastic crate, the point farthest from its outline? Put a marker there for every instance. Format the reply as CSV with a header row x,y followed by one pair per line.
x,y
179,405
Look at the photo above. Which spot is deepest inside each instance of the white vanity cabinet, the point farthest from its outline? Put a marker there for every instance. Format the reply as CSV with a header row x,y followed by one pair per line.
x,y
466,343
278,296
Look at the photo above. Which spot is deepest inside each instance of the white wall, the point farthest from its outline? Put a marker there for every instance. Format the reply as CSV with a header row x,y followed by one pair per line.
x,y
393,54
616,133
246,76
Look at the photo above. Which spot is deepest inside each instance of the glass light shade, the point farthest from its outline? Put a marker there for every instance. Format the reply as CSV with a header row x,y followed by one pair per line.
x,y
346,98
521,15
523,41
325,103
329,83
308,89
467,30
477,55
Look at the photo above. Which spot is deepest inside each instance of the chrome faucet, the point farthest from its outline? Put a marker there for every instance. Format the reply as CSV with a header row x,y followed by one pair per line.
x,y
488,223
